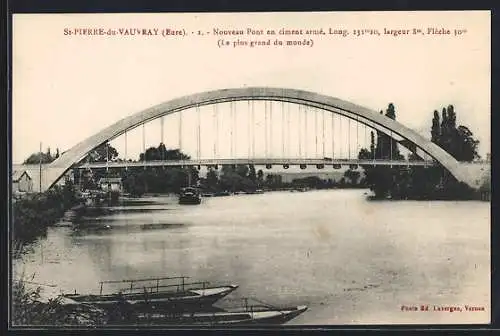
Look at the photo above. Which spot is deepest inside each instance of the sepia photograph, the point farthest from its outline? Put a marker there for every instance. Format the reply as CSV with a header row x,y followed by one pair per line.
x,y
250,169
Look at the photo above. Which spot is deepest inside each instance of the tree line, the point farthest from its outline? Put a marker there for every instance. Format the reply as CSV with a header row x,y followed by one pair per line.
x,y
415,182
233,178
139,180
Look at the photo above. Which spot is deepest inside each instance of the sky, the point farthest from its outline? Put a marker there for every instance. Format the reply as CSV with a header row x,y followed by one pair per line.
x,y
68,87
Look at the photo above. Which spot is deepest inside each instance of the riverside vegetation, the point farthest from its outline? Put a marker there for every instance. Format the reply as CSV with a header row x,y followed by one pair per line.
x,y
423,183
33,214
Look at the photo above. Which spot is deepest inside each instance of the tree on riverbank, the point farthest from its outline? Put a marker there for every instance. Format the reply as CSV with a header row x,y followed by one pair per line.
x,y
140,180
46,157
236,178
260,178
419,182
137,180
102,153
457,141
352,175
211,180
381,179
162,153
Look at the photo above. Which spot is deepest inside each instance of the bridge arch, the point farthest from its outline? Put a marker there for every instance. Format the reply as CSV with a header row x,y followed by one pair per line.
x,y
335,105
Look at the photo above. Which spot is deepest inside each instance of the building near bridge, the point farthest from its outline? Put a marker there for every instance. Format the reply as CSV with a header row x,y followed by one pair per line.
x,y
22,182
111,184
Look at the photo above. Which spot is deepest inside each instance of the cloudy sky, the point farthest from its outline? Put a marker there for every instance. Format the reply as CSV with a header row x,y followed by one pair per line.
x,y
66,88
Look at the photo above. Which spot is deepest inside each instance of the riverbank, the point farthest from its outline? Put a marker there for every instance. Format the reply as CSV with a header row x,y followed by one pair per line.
x,y
33,214
31,308
456,192
465,194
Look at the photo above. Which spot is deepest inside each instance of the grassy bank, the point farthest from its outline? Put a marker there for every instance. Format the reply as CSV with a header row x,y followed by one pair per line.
x,y
30,309
33,214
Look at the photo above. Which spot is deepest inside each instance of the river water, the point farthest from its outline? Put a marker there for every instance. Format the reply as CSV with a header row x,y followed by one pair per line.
x,y
351,260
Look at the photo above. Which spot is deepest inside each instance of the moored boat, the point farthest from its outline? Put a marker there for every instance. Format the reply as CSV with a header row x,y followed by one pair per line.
x,y
189,195
249,316
180,296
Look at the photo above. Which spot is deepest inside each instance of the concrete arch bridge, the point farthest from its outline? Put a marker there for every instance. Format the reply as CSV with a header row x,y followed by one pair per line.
x,y
469,173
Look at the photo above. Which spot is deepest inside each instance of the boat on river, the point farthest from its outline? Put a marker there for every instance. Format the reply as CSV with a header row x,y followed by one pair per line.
x,y
264,316
155,293
189,195
248,315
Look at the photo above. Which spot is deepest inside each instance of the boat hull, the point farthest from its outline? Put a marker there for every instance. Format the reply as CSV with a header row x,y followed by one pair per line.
x,y
222,318
189,195
167,301
190,200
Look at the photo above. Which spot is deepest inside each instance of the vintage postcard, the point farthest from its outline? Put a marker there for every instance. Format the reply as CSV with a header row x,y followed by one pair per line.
x,y
234,169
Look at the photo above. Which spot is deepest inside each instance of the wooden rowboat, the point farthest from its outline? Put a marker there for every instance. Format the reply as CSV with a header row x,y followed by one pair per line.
x,y
221,318
179,296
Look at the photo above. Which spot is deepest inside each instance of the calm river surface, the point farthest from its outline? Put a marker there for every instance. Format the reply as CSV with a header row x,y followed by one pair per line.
x,y
350,260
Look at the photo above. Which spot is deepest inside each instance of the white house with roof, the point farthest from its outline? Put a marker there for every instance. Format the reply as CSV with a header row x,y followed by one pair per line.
x,y
111,183
22,182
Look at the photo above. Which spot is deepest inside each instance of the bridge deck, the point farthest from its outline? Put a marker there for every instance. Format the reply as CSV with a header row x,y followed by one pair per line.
x,y
277,161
